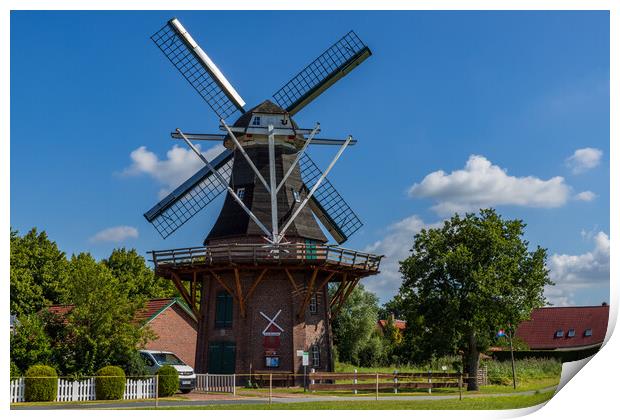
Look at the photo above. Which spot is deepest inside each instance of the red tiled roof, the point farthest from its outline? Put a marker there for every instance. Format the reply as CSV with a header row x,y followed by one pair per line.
x,y
539,331
151,308
398,323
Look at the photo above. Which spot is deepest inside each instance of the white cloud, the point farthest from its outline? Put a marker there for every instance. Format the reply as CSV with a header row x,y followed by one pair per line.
x,y
396,246
481,184
574,273
179,165
115,234
585,196
584,159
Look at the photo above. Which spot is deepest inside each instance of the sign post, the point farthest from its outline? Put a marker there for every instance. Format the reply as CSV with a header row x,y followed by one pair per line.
x,y
305,361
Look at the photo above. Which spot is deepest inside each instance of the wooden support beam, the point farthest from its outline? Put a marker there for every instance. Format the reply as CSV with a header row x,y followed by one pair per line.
x,y
339,291
193,288
255,284
302,310
181,288
344,297
239,293
221,282
324,282
292,280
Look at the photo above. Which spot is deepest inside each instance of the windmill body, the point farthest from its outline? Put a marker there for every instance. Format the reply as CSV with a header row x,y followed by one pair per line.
x,y
259,284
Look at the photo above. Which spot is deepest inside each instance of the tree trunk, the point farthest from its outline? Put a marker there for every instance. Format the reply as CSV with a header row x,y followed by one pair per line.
x,y
472,359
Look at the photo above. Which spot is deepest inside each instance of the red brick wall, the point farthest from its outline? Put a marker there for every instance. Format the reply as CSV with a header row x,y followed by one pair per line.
x,y
176,332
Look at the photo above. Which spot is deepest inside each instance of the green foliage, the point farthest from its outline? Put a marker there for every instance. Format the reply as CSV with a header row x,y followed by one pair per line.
x,y
99,329
168,378
500,373
354,326
110,383
136,277
30,343
41,383
466,280
15,372
39,272
372,352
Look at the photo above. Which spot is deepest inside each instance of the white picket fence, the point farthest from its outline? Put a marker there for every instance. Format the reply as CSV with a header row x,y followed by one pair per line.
x,y
85,390
215,383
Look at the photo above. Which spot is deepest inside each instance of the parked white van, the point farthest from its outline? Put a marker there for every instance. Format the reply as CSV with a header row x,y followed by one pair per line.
x,y
155,359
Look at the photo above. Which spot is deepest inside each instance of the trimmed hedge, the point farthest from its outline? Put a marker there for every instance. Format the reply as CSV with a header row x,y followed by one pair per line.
x,y
41,383
110,383
168,378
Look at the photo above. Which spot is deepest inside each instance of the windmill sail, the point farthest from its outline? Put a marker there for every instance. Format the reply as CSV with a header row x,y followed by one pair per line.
x,y
190,197
198,69
328,205
335,63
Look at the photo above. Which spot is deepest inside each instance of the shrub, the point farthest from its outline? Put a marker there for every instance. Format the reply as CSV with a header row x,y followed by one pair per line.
x,y
15,373
41,383
110,383
168,378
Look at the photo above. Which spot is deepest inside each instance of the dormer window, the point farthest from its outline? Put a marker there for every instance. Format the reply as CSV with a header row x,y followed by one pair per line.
x,y
256,121
571,333
559,333
241,193
296,196
587,332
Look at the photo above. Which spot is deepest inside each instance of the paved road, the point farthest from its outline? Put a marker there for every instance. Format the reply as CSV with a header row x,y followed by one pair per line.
x,y
185,403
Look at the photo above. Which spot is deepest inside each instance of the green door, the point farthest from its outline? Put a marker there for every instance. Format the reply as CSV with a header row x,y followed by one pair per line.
x,y
221,357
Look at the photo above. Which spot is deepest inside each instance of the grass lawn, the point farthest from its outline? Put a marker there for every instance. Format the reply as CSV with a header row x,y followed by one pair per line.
x,y
468,403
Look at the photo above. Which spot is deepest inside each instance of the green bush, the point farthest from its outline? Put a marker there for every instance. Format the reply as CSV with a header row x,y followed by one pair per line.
x,y
15,373
41,383
110,383
168,378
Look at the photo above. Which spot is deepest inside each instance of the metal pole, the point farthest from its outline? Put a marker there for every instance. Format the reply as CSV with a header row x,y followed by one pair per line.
x,y
272,185
512,358
156,390
316,185
305,378
355,381
245,155
222,181
377,387
460,386
270,387
299,155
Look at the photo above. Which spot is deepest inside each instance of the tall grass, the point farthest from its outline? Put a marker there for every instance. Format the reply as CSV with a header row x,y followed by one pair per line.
x,y
501,372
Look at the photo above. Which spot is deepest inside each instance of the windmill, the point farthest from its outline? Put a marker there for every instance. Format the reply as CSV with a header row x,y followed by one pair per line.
x,y
265,255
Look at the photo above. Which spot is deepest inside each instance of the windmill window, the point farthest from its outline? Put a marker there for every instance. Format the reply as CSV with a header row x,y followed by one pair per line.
x,y
223,310
588,332
241,193
296,196
559,333
313,305
315,352
256,121
571,332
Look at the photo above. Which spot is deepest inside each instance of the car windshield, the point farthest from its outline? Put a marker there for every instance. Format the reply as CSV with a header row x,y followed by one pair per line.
x,y
167,359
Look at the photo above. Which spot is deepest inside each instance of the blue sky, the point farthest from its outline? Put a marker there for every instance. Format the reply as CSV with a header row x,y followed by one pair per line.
x,y
513,107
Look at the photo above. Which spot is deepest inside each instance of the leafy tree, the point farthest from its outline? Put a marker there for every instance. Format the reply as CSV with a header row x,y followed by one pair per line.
x,y
136,277
38,272
392,341
99,329
465,280
355,324
30,343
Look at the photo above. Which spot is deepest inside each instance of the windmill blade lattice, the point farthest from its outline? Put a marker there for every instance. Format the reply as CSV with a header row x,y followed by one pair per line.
x,y
190,197
324,71
328,204
193,70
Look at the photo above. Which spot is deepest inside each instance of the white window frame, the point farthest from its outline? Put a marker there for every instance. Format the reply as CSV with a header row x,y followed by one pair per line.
x,y
315,351
241,193
313,306
256,120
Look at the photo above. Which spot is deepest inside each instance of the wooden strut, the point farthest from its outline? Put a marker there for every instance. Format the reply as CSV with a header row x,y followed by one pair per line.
x,y
292,280
239,293
193,289
344,297
343,285
255,284
306,300
221,282
181,288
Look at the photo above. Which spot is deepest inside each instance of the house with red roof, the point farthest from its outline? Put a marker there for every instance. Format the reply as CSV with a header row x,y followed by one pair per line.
x,y
398,323
170,319
565,328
